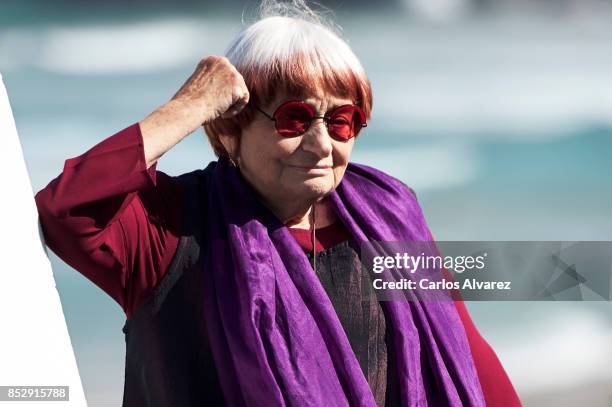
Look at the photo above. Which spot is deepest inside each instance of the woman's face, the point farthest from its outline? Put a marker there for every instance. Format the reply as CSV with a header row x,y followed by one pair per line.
x,y
302,168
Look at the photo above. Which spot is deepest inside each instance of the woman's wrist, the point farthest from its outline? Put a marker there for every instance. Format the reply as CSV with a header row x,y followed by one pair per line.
x,y
166,126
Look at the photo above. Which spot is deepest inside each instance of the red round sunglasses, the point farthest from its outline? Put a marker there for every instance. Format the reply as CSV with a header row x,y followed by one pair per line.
x,y
294,118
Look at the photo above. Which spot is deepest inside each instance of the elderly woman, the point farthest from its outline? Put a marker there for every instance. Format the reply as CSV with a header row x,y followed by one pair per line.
x,y
242,282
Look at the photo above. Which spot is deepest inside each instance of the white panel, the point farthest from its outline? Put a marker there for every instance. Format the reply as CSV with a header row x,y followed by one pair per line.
x,y
35,348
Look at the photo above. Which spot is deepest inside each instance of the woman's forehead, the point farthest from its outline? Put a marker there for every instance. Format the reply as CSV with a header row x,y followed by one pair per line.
x,y
320,100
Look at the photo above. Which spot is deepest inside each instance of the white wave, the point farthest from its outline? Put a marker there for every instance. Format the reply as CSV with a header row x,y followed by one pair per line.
x,y
530,106
437,166
528,77
438,10
571,348
114,49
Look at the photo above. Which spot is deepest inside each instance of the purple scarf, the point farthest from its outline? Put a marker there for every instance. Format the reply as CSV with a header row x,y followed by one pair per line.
x,y
274,333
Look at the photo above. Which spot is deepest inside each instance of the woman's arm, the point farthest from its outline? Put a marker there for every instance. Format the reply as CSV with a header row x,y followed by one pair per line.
x,y
215,89
496,385
110,214
113,220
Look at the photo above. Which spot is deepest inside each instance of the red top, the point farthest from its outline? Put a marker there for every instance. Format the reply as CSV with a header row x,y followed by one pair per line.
x,y
118,224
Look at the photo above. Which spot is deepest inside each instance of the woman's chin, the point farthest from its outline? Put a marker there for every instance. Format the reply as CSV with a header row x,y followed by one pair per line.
x,y
315,188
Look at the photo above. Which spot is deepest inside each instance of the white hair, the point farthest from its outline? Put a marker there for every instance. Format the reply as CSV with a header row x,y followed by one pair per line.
x,y
291,48
287,29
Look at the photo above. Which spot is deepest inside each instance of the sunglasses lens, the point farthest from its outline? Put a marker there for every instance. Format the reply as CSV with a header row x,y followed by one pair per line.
x,y
293,119
346,122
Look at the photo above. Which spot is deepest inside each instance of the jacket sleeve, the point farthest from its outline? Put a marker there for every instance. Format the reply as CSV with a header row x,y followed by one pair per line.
x,y
113,220
496,385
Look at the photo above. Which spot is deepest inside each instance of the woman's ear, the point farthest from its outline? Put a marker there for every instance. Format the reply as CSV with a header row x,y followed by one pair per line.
x,y
230,144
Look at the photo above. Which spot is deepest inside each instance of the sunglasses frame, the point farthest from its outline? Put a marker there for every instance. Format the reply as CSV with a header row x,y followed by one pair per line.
x,y
326,118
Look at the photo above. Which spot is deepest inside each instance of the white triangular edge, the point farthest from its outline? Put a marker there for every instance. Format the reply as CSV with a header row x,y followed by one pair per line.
x,y
35,348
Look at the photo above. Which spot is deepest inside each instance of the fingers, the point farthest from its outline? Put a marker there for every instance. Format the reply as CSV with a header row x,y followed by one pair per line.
x,y
215,89
240,97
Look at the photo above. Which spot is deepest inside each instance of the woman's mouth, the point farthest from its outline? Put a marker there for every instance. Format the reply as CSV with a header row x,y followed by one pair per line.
x,y
312,169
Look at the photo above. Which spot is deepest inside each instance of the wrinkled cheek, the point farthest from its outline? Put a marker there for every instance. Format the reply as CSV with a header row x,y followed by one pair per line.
x,y
338,174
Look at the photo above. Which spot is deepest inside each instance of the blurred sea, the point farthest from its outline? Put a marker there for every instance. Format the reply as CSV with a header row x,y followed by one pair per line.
x,y
501,123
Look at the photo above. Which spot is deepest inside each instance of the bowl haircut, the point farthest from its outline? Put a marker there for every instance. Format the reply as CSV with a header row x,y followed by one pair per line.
x,y
296,54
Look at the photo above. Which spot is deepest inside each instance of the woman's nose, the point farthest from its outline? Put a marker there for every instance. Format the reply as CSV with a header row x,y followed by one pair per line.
x,y
317,140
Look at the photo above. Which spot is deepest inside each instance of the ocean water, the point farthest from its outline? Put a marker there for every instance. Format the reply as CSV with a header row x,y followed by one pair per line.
x,y
501,124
